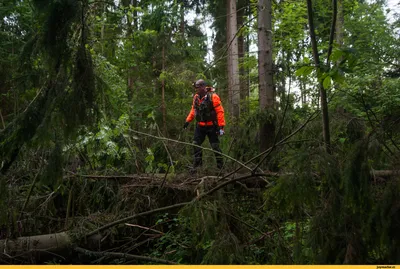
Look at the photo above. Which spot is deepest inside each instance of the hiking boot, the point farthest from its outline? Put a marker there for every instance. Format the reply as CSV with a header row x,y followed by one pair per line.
x,y
192,171
220,165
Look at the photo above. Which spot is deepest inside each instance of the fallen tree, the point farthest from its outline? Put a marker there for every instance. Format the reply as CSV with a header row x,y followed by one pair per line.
x,y
45,242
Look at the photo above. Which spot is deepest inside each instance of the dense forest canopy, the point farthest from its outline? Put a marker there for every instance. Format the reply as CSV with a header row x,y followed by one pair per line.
x,y
95,167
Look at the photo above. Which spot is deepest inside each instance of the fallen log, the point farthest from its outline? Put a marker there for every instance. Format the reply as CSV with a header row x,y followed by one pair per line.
x,y
45,242
385,173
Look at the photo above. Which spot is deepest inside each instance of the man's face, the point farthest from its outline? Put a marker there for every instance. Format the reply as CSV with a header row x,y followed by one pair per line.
x,y
200,89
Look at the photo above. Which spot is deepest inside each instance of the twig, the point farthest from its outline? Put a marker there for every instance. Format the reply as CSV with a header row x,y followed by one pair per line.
x,y
165,178
280,127
238,219
191,144
165,146
69,206
142,227
281,142
227,183
122,255
260,238
132,151
109,177
124,220
229,150
209,192
2,120
28,196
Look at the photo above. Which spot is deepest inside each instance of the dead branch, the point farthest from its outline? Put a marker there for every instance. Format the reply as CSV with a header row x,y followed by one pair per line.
x,y
124,220
145,228
122,255
385,173
2,120
191,144
111,224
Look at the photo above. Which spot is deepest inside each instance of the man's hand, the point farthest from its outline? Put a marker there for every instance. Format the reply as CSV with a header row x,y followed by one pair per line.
x,y
185,125
221,130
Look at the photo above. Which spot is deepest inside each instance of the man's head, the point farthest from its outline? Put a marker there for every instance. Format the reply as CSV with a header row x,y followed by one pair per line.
x,y
200,86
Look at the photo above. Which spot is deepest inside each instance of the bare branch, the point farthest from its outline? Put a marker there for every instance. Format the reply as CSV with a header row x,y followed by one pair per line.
x,y
122,255
191,144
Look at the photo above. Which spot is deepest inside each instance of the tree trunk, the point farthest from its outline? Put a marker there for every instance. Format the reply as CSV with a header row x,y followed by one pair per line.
x,y
233,62
135,14
265,73
163,106
322,90
45,242
228,60
182,22
242,49
339,23
132,27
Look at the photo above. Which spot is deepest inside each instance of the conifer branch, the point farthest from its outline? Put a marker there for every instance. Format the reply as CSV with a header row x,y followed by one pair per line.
x,y
179,205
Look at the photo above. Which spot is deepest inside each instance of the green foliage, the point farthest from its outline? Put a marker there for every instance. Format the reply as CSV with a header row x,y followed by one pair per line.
x,y
56,29
81,99
90,72
103,148
211,236
111,87
295,193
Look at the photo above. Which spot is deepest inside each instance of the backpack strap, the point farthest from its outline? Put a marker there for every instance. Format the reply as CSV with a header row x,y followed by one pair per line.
x,y
210,96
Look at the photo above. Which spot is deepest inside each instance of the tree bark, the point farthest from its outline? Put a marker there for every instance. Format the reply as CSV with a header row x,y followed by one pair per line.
x,y
242,49
233,62
265,73
132,27
182,22
322,90
46,242
163,105
339,23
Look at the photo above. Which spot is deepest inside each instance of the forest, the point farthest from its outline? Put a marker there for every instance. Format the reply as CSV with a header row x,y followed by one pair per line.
x,y
96,166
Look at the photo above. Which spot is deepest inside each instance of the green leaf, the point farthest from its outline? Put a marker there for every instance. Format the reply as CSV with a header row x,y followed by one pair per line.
x,y
304,71
338,77
336,55
327,82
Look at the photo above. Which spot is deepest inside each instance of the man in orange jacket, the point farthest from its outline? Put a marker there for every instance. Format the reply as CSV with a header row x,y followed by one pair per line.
x,y
209,113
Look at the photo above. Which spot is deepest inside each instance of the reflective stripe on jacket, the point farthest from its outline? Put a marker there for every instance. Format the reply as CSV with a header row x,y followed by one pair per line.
x,y
219,110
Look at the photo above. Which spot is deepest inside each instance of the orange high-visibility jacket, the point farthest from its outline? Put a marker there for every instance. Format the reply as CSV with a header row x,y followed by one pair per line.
x,y
219,110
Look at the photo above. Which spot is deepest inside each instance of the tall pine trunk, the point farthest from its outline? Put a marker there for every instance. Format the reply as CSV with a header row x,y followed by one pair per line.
x,y
233,62
132,27
163,106
265,73
242,50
